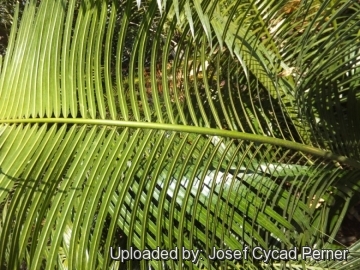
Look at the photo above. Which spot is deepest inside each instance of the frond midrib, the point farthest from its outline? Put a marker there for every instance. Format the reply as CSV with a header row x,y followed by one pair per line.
x,y
193,129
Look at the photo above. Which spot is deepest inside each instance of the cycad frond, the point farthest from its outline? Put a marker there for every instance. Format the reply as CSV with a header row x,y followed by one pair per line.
x,y
123,126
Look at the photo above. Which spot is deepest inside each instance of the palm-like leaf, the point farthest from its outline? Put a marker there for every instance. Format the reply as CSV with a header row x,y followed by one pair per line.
x,y
210,149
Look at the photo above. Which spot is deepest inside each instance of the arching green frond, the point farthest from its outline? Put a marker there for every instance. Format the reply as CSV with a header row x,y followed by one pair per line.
x,y
185,124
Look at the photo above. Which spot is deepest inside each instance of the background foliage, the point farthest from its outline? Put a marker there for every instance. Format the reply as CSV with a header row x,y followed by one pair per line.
x,y
6,10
